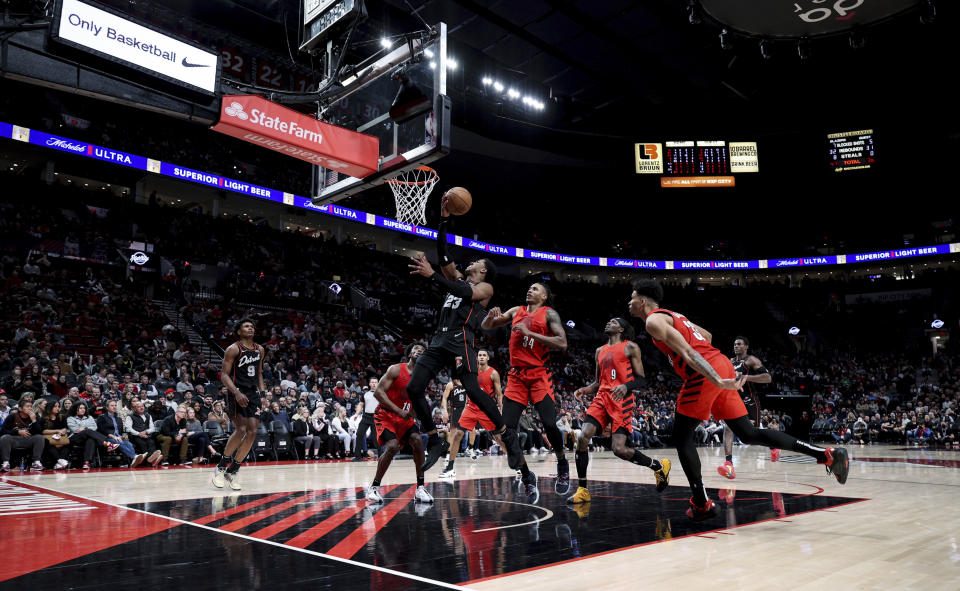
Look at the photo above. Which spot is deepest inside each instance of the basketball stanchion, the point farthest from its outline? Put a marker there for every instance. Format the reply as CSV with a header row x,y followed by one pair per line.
x,y
410,192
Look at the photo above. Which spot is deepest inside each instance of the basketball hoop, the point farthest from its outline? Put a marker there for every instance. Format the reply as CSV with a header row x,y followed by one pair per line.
x,y
410,191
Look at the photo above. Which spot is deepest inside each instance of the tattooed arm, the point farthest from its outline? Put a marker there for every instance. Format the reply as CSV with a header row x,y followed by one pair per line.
x,y
660,327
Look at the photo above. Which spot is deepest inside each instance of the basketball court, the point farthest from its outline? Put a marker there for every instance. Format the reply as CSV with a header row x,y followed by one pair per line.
x,y
305,525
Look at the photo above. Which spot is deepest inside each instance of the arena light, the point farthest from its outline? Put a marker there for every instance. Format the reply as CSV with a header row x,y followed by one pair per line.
x,y
937,324
386,43
498,87
451,63
512,93
433,65
429,52
487,81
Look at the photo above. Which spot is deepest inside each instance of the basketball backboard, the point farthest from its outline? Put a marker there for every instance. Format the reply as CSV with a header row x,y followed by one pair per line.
x,y
363,104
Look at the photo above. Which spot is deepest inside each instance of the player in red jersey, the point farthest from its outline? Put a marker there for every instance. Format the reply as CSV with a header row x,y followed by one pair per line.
x,y
471,415
710,386
619,373
535,329
755,373
393,420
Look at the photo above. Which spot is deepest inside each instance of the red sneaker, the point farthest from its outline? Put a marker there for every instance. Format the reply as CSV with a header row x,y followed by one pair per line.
x,y
727,471
705,511
774,455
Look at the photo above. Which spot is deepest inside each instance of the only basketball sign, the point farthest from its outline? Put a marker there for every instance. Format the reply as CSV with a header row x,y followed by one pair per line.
x,y
649,158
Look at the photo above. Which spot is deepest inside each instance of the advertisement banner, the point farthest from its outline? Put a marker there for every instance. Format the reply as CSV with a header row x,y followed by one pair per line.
x,y
743,157
649,157
256,120
669,182
121,40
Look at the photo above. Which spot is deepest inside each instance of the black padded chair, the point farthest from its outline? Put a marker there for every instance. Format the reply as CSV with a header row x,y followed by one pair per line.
x,y
283,441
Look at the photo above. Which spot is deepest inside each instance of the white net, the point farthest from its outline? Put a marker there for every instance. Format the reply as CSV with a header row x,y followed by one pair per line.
x,y
410,192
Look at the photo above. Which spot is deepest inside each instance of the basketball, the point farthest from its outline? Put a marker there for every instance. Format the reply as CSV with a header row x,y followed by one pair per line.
x,y
459,200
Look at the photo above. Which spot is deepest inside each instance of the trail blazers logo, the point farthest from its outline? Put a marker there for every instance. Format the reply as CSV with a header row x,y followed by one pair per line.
x,y
649,158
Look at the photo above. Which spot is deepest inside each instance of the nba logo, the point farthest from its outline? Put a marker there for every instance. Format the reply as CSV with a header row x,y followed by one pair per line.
x,y
459,361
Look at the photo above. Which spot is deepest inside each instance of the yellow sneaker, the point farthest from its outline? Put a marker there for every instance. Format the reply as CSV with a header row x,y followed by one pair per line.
x,y
663,474
581,496
582,510
219,479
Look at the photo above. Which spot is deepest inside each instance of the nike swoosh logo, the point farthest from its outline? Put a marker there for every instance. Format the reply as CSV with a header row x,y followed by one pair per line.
x,y
187,64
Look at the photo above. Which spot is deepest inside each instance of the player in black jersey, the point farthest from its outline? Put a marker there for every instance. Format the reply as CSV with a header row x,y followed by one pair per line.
x,y
747,365
464,306
242,374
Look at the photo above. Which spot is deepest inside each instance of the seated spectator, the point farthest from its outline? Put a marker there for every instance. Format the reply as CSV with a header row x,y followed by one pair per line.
x,y
112,428
4,406
199,438
53,427
83,433
20,431
140,428
301,431
279,414
339,424
173,430
219,416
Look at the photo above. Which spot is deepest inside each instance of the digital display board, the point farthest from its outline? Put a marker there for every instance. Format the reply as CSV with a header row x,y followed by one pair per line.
x,y
124,41
851,150
693,158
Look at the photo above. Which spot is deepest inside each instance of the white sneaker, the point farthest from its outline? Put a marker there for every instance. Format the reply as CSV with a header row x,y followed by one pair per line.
x,y
219,478
5,467
36,467
233,480
544,450
373,495
474,454
61,464
422,496
448,473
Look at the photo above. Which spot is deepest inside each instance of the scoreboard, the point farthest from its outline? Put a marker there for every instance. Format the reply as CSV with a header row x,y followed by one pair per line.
x,y
696,163
691,158
851,150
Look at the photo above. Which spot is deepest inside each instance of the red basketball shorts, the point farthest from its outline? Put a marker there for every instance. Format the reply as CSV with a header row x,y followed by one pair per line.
x,y
529,385
473,416
699,398
604,409
390,426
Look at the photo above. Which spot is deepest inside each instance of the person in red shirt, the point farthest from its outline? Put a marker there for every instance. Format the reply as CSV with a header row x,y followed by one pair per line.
x,y
395,426
619,373
536,328
710,386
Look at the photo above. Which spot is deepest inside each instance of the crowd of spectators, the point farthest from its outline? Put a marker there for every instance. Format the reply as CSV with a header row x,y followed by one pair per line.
x,y
77,339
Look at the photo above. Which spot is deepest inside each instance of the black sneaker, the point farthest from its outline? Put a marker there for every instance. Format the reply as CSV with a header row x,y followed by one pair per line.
x,y
838,463
512,443
437,451
530,489
562,484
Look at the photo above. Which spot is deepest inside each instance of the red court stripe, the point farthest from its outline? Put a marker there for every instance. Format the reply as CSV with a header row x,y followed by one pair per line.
x,y
261,515
288,522
330,523
361,536
239,508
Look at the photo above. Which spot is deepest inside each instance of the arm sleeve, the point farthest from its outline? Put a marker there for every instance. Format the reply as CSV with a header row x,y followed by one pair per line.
x,y
636,383
461,289
442,244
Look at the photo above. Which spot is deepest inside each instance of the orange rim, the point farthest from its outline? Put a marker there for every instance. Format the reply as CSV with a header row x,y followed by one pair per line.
x,y
435,177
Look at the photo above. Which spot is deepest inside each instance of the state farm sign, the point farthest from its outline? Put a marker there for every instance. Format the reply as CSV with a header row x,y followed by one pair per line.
x,y
256,120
